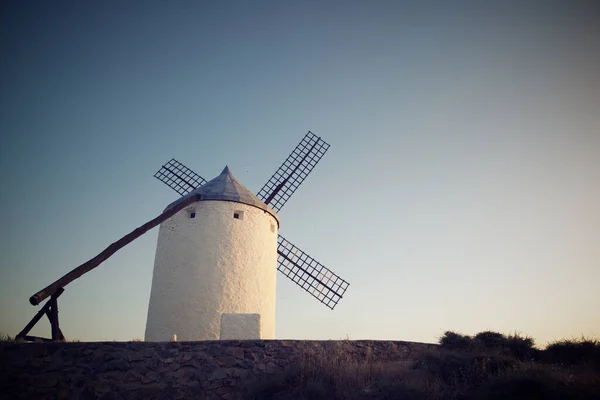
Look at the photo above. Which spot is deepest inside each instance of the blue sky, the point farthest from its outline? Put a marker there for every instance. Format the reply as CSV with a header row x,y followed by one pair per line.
x,y
460,191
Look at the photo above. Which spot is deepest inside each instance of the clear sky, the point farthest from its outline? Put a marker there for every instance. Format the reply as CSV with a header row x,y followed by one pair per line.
x,y
461,190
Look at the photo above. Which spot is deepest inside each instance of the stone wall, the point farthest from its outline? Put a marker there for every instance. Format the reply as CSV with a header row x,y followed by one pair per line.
x,y
146,370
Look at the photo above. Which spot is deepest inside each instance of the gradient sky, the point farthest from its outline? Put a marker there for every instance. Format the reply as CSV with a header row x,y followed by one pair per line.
x,y
461,190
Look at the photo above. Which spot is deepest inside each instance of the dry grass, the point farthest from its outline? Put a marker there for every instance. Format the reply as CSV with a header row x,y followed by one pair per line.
x,y
333,371
5,338
500,369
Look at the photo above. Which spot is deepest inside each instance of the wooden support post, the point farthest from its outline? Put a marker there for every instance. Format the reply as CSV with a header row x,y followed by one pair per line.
x,y
53,316
40,314
33,321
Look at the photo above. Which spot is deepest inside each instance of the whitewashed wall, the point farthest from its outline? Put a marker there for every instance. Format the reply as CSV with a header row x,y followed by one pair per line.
x,y
209,265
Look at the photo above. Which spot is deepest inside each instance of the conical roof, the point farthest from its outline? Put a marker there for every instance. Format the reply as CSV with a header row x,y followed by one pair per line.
x,y
226,188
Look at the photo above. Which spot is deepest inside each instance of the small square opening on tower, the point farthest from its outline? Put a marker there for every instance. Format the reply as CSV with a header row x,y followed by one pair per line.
x,y
191,212
237,214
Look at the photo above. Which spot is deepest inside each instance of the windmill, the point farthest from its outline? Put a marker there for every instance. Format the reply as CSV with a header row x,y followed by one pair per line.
x,y
220,237
215,266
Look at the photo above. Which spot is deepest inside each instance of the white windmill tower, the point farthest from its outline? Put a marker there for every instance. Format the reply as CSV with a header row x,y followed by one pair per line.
x,y
218,248
215,259
214,271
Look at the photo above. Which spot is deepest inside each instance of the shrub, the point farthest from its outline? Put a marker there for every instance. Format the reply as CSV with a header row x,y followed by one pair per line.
x,y
514,345
582,351
491,339
535,383
456,341
519,386
521,347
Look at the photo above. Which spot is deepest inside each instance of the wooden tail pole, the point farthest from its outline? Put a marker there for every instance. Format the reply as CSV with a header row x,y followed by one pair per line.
x,y
109,251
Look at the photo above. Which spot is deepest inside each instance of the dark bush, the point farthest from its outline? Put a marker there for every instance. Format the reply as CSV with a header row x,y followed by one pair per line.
x,y
521,347
534,385
491,339
574,352
455,341
514,345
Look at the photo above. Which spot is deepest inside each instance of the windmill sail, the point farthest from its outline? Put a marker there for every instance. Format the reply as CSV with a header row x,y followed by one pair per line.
x,y
179,177
286,180
309,274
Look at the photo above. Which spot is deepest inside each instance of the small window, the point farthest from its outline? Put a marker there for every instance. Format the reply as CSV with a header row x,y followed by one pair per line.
x,y
192,212
238,214
192,215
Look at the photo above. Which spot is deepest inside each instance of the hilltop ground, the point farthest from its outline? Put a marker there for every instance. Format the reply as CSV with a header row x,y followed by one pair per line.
x,y
488,365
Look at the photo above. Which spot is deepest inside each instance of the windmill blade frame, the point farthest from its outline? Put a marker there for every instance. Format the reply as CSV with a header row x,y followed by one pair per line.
x,y
309,274
288,177
179,177
302,269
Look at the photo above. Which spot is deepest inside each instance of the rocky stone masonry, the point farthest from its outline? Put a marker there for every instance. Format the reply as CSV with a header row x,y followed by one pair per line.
x,y
176,370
